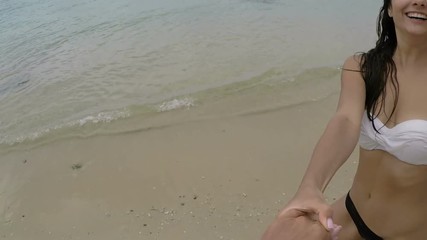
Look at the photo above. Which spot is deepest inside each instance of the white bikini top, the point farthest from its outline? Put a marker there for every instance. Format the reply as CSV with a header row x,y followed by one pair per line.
x,y
407,141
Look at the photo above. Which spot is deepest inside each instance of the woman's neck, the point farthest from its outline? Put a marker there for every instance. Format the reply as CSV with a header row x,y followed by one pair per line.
x,y
411,51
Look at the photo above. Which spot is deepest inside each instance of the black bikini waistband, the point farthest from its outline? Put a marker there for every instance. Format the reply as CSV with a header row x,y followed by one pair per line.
x,y
364,231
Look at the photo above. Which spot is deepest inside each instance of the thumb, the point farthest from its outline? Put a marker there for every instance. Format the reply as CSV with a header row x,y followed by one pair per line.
x,y
325,217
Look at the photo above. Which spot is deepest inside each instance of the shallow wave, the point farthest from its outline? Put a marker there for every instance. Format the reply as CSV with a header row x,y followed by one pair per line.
x,y
267,91
102,117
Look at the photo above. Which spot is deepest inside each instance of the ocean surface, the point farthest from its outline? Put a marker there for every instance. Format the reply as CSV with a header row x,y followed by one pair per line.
x,y
88,67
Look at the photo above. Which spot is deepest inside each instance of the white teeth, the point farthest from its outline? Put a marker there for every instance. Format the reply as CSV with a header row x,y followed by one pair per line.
x,y
417,15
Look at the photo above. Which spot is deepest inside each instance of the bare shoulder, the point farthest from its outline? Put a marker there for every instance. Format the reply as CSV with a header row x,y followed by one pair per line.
x,y
351,70
352,63
352,98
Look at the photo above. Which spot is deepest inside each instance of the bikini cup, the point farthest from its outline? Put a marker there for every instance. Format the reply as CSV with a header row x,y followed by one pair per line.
x,y
407,141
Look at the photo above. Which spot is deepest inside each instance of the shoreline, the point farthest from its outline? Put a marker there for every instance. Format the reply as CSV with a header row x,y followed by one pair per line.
x,y
222,178
252,96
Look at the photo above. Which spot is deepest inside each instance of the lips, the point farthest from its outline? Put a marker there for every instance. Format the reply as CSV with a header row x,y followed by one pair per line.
x,y
417,15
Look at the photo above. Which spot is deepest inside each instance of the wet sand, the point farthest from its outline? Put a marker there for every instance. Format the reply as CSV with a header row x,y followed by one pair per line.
x,y
222,178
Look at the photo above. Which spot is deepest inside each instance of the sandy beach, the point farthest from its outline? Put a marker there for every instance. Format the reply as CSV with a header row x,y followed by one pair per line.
x,y
218,178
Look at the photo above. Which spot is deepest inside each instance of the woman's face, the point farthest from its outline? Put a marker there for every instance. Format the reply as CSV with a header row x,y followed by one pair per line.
x,y
409,16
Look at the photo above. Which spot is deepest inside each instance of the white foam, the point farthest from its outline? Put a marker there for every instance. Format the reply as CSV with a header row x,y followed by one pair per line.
x,y
176,104
102,117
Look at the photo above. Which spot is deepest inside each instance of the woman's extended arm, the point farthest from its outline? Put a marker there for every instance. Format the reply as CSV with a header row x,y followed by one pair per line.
x,y
339,138
332,150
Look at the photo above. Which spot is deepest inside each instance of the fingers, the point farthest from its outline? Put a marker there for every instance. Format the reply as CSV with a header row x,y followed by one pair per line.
x,y
321,212
316,210
334,229
325,216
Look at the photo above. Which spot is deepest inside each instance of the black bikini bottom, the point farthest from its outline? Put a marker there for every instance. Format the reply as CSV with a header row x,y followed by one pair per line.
x,y
364,231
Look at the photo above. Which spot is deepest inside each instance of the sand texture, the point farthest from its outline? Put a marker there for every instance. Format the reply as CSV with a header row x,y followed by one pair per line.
x,y
222,178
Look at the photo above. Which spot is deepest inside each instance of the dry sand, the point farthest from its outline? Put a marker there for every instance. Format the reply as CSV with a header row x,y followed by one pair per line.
x,y
222,178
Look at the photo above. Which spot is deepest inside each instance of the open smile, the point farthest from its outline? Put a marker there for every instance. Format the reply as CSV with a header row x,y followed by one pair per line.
x,y
417,16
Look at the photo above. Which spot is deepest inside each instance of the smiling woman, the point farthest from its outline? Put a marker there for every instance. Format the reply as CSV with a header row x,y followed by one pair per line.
x,y
382,104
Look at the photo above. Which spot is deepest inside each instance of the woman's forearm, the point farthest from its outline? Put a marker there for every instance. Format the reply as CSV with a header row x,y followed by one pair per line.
x,y
332,150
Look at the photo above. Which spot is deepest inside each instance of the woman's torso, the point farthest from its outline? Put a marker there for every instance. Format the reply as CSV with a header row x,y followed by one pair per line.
x,y
390,193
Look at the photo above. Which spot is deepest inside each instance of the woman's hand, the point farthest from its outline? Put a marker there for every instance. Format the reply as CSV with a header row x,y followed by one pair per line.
x,y
296,225
307,216
311,201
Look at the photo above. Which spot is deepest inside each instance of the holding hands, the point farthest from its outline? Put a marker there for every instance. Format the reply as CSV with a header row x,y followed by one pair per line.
x,y
306,217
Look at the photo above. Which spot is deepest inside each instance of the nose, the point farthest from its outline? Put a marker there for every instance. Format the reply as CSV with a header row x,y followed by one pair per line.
x,y
420,2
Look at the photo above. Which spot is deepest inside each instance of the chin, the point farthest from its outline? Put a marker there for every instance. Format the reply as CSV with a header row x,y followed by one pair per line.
x,y
418,33
415,31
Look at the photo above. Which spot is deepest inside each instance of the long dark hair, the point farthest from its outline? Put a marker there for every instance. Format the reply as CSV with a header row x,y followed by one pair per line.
x,y
377,66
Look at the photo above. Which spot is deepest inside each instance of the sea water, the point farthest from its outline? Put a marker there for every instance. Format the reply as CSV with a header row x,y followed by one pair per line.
x,y
76,66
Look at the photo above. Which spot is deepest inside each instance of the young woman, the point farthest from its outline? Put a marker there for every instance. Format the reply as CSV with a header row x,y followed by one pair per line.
x,y
383,107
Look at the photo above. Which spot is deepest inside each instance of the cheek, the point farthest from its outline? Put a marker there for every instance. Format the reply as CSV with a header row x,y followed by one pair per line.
x,y
397,6
398,21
